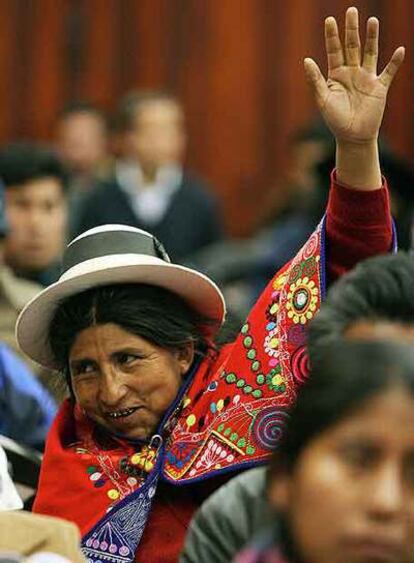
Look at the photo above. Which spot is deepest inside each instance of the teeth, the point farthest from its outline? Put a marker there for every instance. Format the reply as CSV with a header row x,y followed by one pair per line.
x,y
120,414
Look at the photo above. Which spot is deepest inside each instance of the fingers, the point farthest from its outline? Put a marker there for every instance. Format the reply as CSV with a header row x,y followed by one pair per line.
x,y
387,75
333,45
316,80
371,46
352,41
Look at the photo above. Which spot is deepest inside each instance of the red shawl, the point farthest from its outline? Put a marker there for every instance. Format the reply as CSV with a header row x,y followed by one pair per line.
x,y
230,417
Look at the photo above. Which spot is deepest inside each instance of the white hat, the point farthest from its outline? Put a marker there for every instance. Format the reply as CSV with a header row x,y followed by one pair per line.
x,y
113,254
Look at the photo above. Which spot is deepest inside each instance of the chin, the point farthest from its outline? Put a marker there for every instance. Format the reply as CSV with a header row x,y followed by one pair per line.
x,y
137,433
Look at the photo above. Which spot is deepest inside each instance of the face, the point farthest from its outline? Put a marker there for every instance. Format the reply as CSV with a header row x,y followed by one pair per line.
x,y
82,141
36,215
158,137
350,496
124,382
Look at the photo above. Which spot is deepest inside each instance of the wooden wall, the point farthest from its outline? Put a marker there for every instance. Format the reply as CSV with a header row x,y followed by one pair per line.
x,y
236,64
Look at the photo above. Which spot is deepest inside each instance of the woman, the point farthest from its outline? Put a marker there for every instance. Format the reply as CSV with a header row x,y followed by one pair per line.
x,y
342,479
157,414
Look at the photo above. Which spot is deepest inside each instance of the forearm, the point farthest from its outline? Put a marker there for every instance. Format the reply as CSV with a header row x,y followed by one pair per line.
x,y
358,225
357,165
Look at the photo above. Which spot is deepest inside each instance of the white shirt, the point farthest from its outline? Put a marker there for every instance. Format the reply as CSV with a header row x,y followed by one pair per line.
x,y
9,497
149,201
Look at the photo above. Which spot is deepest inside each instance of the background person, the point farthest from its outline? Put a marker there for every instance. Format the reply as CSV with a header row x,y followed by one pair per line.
x,y
341,481
151,189
82,143
36,211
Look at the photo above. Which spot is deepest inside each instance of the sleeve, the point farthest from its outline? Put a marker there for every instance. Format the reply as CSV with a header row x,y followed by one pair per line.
x,y
358,225
269,355
27,409
226,521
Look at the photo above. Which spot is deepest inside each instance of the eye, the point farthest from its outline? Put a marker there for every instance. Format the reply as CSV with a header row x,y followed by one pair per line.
x,y
83,367
359,456
21,204
49,206
127,358
409,471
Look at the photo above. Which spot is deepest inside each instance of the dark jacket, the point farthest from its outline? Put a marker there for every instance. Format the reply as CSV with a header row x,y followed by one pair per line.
x,y
192,220
228,519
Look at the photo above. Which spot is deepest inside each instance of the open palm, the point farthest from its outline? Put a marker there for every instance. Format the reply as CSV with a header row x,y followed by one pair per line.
x,y
352,100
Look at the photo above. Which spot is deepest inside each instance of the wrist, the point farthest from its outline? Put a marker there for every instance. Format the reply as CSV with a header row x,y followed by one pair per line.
x,y
358,165
357,145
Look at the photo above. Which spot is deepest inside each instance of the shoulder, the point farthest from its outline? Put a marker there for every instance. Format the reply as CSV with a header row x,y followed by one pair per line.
x,y
109,186
228,518
238,492
103,190
17,291
197,187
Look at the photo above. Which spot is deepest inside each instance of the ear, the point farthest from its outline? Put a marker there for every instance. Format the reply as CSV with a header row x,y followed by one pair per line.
x,y
278,492
185,357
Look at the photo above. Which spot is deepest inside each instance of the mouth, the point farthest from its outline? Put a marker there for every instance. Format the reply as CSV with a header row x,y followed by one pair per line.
x,y
121,413
378,550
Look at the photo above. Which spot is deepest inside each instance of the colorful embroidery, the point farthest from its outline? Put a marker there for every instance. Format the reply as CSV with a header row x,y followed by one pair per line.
x,y
108,468
239,416
269,426
116,536
302,300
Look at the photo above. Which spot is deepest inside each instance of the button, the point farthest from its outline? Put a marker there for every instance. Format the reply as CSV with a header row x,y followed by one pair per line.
x,y
113,494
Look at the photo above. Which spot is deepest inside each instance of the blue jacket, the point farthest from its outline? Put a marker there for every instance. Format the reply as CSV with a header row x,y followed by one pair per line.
x,y
26,408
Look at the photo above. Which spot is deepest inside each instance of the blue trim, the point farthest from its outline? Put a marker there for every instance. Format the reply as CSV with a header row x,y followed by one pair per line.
x,y
113,524
216,472
322,263
182,392
394,244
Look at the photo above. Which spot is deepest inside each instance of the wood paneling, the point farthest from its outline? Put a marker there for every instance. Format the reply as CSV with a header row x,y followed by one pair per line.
x,y
236,64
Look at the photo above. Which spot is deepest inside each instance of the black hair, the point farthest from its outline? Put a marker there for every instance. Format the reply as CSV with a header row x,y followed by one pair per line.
x,y
151,312
133,102
378,289
82,107
347,376
24,162
315,131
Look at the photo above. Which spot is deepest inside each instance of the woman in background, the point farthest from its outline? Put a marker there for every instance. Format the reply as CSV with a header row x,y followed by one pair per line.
x,y
342,480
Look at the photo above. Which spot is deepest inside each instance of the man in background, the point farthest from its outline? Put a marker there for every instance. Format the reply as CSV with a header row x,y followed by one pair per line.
x,y
150,188
27,408
82,145
36,211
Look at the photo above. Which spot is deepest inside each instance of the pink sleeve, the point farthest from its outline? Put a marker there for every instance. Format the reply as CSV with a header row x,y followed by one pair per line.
x,y
358,225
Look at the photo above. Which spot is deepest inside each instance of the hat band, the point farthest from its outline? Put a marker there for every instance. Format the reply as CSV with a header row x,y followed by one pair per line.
x,y
109,243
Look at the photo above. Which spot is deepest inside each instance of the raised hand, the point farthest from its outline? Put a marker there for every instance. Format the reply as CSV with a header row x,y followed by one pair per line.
x,y
352,99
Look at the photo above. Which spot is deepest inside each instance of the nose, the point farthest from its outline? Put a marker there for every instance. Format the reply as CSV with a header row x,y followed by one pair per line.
x,y
36,221
385,495
111,389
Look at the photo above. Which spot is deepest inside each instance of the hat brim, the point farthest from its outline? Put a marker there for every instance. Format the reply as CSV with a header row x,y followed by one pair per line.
x,y
201,294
